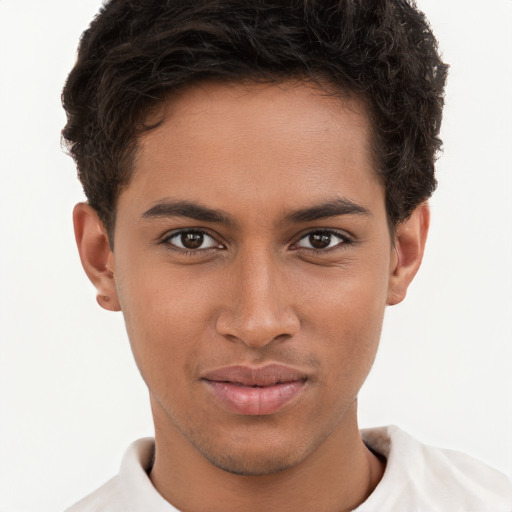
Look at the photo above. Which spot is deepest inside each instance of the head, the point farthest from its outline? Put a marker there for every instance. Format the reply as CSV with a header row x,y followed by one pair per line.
x,y
256,175
136,56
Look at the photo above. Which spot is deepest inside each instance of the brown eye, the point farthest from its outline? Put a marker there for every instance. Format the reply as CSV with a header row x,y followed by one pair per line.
x,y
192,240
319,240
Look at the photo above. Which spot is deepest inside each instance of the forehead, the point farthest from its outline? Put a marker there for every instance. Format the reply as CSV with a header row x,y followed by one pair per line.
x,y
259,144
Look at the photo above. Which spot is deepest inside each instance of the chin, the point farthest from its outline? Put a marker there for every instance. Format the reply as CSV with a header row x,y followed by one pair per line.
x,y
267,463
254,450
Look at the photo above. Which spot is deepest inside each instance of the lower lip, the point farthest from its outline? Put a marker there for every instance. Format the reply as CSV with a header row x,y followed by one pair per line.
x,y
256,401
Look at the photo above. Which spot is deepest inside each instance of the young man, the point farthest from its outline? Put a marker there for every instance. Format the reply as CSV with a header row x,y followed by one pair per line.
x,y
257,175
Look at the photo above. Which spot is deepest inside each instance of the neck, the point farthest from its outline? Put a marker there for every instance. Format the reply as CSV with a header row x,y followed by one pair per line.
x,y
339,475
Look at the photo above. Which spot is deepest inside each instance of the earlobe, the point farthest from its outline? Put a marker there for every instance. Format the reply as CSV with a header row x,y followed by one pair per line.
x,y
410,239
95,254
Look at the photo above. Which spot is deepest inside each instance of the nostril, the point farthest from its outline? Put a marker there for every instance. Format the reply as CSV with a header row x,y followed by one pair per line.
x,y
258,327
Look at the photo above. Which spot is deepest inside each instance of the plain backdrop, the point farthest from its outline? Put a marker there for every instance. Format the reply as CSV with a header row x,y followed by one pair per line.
x,y
71,399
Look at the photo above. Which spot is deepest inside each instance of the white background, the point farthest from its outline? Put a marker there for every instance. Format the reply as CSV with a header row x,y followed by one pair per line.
x,y
71,399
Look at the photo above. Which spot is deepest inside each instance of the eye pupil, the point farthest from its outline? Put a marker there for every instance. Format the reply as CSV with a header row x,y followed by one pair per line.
x,y
192,240
320,240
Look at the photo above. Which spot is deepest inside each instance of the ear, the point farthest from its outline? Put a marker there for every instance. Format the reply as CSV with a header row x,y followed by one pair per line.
x,y
410,239
95,255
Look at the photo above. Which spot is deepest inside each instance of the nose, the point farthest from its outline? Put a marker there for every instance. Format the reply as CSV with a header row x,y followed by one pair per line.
x,y
258,306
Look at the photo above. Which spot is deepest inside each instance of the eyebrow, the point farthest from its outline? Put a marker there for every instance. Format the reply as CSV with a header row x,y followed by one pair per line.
x,y
195,211
187,209
334,208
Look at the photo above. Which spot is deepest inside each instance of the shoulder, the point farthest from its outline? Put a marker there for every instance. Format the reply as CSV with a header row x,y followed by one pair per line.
x,y
131,490
424,478
108,498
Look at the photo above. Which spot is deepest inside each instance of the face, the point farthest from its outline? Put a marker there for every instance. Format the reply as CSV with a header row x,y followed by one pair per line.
x,y
252,263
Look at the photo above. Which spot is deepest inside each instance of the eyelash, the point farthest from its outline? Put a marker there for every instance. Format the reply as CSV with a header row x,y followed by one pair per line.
x,y
166,240
344,240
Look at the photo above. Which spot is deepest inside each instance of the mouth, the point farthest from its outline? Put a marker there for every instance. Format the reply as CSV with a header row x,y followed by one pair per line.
x,y
256,391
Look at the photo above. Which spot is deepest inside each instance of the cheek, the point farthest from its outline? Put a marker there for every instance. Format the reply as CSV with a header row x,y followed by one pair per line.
x,y
351,340
165,319
351,344
344,311
155,298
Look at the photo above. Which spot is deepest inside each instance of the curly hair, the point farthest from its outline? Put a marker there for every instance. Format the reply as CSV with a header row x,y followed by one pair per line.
x,y
136,53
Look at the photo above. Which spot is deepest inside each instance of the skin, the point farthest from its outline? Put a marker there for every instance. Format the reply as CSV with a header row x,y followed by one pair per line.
x,y
255,291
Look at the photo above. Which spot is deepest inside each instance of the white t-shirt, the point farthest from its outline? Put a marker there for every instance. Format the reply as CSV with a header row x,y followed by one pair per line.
x,y
417,478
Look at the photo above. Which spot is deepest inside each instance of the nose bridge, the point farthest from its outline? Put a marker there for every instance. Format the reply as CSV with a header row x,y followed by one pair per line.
x,y
259,308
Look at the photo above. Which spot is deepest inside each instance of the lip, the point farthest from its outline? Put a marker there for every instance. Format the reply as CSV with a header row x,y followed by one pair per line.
x,y
256,391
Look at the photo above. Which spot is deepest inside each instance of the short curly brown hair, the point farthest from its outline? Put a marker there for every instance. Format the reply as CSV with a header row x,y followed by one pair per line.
x,y
135,53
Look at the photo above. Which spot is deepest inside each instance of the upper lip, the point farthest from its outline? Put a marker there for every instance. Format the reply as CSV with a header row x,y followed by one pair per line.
x,y
268,375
